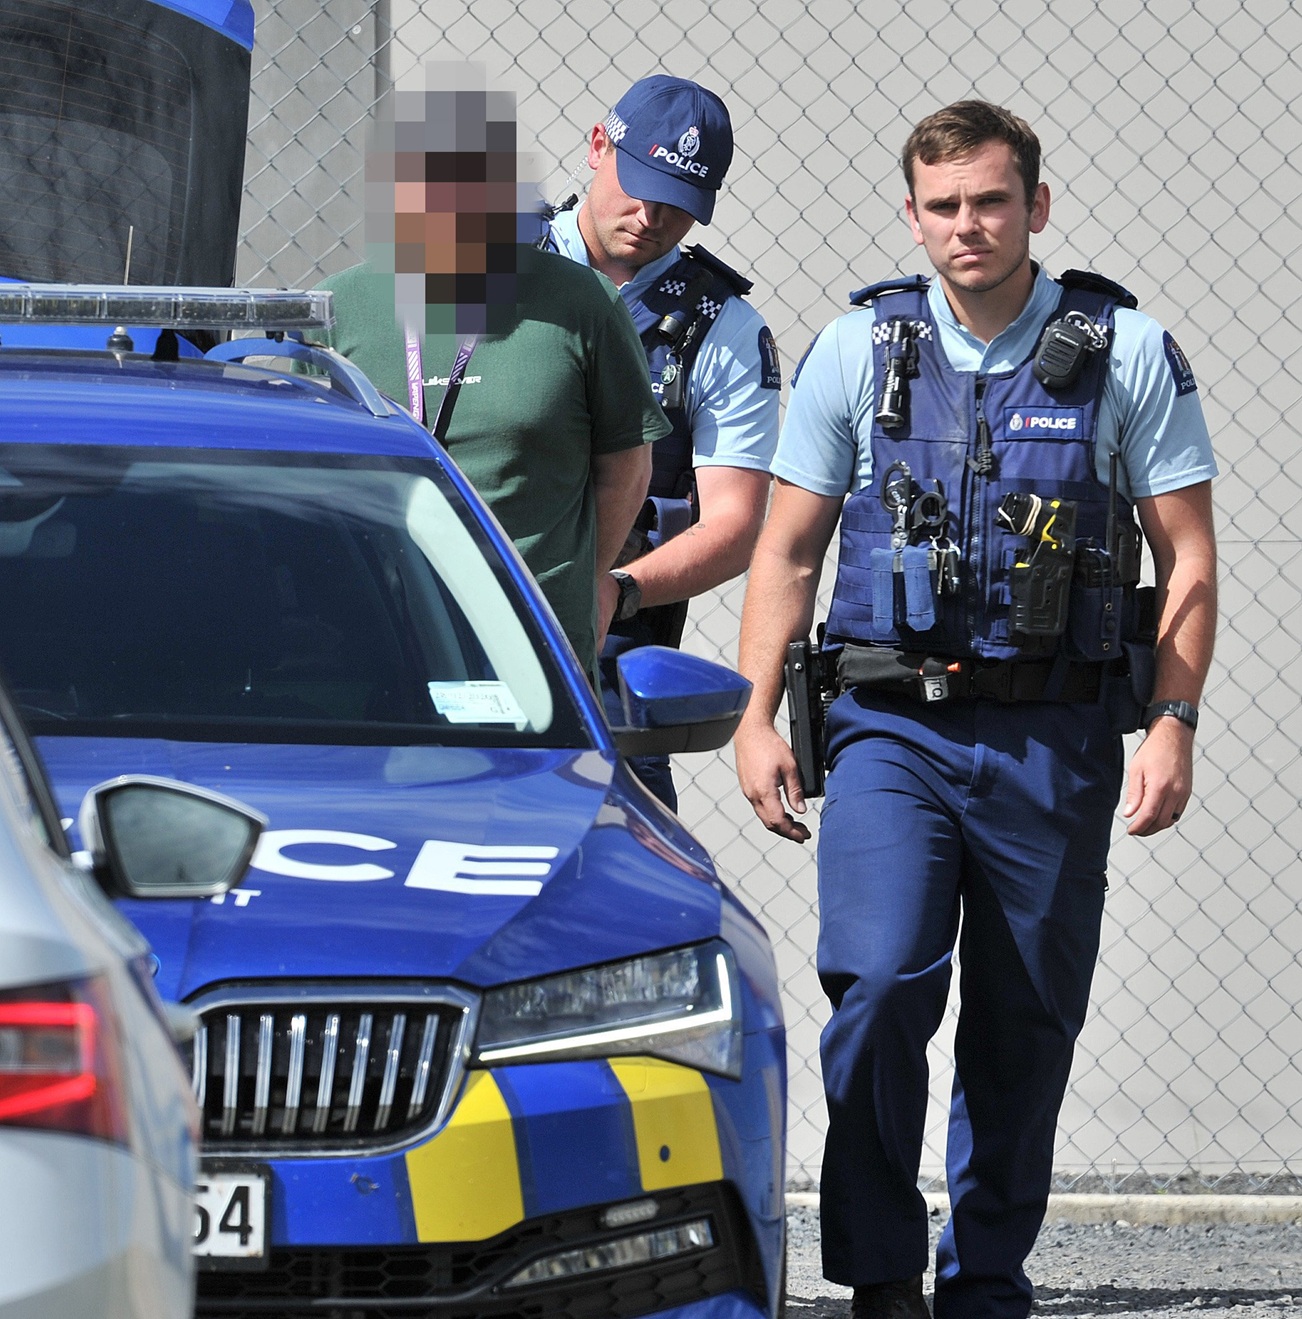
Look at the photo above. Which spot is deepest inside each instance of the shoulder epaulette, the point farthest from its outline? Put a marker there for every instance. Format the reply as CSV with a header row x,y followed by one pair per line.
x,y
909,284
1092,283
738,282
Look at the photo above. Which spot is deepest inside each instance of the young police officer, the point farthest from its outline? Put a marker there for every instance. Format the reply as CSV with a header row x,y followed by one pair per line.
x,y
998,433
659,160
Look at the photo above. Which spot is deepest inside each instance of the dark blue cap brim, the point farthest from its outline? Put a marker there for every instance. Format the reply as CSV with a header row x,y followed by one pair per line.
x,y
649,184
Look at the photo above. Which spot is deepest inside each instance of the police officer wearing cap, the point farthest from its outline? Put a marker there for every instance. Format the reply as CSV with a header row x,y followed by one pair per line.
x,y
1001,437
658,161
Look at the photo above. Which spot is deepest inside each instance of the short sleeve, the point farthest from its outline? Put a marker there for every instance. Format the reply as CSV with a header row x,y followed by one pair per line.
x,y
734,390
1151,402
819,446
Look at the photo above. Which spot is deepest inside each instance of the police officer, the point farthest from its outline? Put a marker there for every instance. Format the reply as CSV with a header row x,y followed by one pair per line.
x,y
998,434
658,161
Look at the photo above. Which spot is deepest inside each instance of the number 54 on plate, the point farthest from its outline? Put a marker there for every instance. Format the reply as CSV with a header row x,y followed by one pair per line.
x,y
230,1228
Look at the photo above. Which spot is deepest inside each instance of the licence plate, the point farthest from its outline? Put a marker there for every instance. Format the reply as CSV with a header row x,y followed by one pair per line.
x,y
230,1228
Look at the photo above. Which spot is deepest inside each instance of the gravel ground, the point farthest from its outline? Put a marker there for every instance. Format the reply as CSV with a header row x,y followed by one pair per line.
x,y
1116,1268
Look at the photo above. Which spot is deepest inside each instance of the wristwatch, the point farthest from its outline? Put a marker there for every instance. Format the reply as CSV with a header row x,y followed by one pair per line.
x,y
1187,714
630,596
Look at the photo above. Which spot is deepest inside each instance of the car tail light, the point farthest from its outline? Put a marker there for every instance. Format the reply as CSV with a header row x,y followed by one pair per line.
x,y
60,1061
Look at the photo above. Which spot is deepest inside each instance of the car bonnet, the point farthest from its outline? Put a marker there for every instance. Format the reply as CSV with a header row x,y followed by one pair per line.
x,y
452,863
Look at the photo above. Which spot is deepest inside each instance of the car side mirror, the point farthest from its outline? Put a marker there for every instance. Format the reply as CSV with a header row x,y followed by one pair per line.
x,y
673,702
154,838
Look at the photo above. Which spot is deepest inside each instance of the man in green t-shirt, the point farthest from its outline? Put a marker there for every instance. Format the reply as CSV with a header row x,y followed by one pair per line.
x,y
555,416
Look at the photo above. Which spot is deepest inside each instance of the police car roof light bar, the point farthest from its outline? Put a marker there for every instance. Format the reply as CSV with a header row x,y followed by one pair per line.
x,y
166,307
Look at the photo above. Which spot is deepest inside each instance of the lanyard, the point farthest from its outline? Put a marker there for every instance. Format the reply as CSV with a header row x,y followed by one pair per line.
x,y
416,383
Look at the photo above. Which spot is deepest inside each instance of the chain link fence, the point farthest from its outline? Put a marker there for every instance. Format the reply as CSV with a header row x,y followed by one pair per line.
x,y
1171,131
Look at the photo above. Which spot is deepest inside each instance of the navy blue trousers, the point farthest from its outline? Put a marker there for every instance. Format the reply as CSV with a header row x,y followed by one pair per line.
x,y
999,815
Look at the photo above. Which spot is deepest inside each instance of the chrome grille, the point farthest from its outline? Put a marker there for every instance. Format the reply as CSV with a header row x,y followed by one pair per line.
x,y
315,1066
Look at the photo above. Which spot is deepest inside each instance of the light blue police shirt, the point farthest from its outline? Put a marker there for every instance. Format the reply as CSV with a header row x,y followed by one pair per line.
x,y
1160,434
733,418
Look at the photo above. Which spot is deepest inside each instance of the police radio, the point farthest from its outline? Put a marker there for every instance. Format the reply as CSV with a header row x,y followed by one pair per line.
x,y
1063,348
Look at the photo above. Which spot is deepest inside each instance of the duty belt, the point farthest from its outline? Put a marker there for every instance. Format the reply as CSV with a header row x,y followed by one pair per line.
x,y
927,678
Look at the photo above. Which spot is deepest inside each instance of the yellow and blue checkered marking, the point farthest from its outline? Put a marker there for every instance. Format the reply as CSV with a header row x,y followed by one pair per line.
x,y
531,1140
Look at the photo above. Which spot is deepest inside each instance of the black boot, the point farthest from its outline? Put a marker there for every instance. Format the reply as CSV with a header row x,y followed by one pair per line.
x,y
890,1300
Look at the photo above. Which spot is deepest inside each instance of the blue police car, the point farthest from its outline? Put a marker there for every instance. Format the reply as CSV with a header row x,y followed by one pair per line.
x,y
483,1033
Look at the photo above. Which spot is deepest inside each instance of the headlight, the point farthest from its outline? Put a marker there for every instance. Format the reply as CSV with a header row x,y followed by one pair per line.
x,y
681,1005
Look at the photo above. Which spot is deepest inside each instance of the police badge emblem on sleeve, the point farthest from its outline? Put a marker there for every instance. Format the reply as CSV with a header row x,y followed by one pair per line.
x,y
770,362
1181,371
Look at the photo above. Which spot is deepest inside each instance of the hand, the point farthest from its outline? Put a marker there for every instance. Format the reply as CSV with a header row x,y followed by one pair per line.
x,y
607,603
766,768
1161,778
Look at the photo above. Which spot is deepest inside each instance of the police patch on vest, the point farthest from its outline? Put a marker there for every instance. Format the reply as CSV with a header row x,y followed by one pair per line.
x,y
1181,371
770,362
1044,423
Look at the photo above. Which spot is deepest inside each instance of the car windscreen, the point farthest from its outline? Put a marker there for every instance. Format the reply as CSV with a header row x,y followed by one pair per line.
x,y
263,598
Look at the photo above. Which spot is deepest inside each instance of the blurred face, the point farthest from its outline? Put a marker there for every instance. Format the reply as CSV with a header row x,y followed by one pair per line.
x,y
623,234
454,241
443,201
973,217
443,227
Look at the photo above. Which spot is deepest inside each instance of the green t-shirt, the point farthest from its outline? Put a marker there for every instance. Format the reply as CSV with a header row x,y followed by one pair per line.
x,y
566,382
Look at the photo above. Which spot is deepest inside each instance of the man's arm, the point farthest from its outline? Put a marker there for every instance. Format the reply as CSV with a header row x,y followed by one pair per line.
x,y
779,609
623,411
619,482
714,550
732,406
1179,529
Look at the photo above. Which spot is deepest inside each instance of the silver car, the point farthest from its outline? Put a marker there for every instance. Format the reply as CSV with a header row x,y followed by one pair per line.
x,y
98,1125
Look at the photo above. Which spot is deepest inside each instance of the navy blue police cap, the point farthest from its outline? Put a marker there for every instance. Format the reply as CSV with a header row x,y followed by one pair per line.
x,y
673,143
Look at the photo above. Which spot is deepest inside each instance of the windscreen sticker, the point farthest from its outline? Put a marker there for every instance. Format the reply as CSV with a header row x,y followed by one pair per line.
x,y
485,702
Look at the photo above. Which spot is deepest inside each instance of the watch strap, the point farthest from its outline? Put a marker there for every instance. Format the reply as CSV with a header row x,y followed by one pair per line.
x,y
1185,712
630,595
